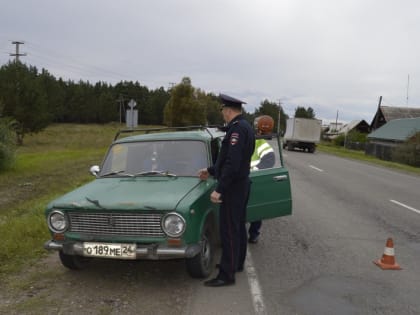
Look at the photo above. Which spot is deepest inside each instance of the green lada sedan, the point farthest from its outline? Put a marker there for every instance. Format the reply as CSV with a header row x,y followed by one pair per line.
x,y
147,202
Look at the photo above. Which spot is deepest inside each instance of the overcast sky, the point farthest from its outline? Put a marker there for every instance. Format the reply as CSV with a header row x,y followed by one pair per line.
x,y
327,54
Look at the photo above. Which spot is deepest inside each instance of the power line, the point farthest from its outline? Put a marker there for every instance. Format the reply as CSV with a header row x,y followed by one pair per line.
x,y
76,66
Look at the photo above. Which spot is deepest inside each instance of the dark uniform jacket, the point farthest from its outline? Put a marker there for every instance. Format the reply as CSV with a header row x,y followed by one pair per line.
x,y
234,158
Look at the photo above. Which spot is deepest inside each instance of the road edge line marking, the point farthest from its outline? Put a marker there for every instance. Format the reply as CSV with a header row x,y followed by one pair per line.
x,y
316,168
256,293
405,206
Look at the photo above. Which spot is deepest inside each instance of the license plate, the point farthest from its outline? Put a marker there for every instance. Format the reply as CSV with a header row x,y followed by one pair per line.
x,y
105,250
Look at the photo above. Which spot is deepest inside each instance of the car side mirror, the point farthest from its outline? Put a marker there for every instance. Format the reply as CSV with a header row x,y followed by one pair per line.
x,y
94,170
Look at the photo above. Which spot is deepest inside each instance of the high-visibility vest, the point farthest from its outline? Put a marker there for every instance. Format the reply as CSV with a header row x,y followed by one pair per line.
x,y
261,149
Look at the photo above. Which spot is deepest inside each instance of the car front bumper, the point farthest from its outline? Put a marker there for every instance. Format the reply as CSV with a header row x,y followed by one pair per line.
x,y
151,252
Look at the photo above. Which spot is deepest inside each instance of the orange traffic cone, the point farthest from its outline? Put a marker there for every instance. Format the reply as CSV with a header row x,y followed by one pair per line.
x,y
388,258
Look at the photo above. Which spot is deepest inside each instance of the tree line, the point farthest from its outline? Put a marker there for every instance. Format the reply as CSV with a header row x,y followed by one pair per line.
x,y
30,100
34,99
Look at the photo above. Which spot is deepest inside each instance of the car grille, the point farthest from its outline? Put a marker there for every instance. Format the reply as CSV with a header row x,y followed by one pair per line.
x,y
127,224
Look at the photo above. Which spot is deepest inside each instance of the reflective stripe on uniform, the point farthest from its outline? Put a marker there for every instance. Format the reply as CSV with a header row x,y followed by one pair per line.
x,y
261,149
255,163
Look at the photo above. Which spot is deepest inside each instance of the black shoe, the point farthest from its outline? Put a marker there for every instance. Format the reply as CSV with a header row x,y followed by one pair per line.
x,y
216,282
253,239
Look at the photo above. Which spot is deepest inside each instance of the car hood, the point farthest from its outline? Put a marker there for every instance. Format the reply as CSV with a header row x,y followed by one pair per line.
x,y
149,193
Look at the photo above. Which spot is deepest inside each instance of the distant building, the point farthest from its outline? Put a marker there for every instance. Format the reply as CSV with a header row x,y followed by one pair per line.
x,y
335,127
356,125
385,114
391,135
334,130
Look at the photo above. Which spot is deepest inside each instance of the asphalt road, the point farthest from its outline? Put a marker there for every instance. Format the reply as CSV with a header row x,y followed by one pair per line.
x,y
320,259
317,261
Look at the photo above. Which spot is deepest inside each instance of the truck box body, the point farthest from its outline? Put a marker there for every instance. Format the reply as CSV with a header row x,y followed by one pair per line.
x,y
303,133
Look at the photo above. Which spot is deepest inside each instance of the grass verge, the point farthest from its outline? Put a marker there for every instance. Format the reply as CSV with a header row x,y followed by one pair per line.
x,y
361,156
49,164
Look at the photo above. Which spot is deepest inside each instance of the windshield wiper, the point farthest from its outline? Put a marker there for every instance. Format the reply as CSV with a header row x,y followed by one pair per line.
x,y
151,173
117,172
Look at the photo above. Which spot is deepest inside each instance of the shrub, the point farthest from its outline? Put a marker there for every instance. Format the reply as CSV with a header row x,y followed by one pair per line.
x,y
339,140
7,143
356,140
353,140
356,136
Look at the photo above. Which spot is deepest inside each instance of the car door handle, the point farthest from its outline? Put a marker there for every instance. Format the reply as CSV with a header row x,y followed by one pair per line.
x,y
280,178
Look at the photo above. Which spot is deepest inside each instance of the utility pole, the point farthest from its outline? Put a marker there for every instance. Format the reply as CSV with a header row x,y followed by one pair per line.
x,y
278,123
408,85
171,85
17,54
121,103
336,122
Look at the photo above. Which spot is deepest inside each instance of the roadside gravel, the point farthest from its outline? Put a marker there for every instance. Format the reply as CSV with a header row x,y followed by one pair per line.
x,y
105,287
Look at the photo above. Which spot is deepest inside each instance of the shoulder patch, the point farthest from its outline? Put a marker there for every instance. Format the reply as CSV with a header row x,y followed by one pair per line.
x,y
234,138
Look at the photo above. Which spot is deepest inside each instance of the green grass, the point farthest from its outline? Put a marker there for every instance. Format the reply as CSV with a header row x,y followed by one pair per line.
x,y
21,237
361,156
49,164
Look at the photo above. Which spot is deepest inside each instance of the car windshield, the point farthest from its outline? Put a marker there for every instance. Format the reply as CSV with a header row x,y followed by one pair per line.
x,y
155,158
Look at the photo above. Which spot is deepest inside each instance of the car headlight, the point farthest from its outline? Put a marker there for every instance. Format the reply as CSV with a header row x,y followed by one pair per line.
x,y
173,224
57,221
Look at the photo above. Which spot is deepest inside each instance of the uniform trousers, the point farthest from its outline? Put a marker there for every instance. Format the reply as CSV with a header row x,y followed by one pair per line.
x,y
233,234
254,229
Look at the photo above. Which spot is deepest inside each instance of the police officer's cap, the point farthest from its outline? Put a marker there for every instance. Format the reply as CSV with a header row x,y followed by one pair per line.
x,y
229,101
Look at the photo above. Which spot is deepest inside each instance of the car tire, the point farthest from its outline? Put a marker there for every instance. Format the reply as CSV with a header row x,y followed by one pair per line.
x,y
73,262
201,265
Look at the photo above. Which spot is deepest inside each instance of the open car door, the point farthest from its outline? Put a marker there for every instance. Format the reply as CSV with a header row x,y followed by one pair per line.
x,y
270,194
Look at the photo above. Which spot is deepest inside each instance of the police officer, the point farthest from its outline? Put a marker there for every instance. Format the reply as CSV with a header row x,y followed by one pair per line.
x,y
263,157
232,191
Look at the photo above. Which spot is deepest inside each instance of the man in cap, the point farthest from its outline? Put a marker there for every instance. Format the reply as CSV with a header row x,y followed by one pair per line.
x,y
232,191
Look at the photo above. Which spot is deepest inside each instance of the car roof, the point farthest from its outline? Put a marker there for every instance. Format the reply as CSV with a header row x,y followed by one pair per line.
x,y
198,135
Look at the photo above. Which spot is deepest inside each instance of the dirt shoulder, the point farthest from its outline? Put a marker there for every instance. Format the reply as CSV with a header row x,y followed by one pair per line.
x,y
105,287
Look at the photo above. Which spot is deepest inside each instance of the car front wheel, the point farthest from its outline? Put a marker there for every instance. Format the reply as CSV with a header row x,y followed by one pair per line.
x,y
201,265
73,262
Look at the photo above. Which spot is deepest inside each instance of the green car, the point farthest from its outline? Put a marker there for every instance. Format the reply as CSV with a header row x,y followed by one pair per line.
x,y
147,201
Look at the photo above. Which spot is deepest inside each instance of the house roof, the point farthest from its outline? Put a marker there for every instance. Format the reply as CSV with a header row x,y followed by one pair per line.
x,y
353,124
397,129
385,114
391,112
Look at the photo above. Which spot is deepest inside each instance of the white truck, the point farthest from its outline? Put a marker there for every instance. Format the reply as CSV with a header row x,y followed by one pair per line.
x,y
302,133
